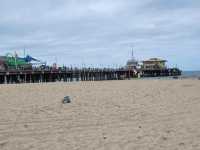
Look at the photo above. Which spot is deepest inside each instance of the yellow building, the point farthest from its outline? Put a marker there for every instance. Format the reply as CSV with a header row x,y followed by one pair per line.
x,y
154,63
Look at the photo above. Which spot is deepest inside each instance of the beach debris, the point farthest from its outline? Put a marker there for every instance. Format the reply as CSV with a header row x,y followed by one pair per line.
x,y
25,126
3,144
66,100
181,144
164,138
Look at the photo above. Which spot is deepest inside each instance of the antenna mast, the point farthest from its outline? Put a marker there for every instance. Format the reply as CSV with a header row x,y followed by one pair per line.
x,y
24,52
132,54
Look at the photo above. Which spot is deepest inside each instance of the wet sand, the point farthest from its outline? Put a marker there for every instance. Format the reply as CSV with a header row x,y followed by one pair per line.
x,y
106,115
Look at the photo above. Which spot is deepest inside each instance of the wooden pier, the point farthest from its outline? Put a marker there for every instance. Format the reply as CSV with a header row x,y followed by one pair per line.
x,y
37,76
70,75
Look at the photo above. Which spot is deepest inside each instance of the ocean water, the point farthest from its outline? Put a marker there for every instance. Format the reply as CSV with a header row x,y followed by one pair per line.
x,y
191,74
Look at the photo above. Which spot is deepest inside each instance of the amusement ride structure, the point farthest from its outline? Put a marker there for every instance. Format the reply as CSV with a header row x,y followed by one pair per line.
x,y
13,62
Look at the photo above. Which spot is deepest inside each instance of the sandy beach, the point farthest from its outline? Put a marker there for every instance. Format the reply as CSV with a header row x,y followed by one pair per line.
x,y
106,115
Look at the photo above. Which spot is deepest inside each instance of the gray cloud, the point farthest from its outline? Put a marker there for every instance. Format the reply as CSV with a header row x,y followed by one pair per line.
x,y
102,32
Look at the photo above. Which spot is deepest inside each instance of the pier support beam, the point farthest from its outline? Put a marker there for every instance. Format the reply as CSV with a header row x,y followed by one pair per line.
x,y
25,78
5,79
41,77
30,78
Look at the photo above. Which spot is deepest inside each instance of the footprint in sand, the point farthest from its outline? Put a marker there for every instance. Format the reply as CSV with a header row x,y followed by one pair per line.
x,y
117,146
2,144
111,146
133,146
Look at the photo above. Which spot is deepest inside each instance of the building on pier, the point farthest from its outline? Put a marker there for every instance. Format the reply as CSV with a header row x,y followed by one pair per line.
x,y
2,65
154,64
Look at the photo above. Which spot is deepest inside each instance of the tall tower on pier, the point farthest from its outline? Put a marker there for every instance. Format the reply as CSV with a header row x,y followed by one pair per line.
x,y
132,63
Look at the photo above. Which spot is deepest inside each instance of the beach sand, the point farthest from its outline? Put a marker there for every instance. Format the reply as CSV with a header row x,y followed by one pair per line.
x,y
106,115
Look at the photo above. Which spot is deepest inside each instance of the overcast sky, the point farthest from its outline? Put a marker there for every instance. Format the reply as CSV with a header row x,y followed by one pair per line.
x,y
102,32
